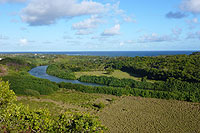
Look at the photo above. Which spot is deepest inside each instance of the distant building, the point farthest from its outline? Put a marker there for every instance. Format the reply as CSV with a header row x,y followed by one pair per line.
x,y
1,58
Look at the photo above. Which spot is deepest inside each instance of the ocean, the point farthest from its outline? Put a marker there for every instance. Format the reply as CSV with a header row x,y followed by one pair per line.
x,y
112,53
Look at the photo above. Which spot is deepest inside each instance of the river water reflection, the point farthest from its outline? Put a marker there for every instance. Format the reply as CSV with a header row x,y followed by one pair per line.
x,y
40,72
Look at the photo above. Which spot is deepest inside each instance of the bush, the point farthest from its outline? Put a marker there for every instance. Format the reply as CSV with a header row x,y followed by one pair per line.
x,y
18,118
99,105
78,123
7,96
19,84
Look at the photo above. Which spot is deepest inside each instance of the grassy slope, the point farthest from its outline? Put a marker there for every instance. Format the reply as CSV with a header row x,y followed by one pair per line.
x,y
125,114
67,100
135,114
117,73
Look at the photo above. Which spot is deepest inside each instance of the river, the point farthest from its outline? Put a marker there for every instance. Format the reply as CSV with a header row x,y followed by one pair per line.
x,y
40,72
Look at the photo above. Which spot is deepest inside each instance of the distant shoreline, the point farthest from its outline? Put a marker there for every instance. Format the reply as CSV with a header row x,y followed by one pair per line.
x,y
109,53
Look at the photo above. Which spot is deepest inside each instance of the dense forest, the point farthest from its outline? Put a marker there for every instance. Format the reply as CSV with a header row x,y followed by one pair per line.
x,y
182,67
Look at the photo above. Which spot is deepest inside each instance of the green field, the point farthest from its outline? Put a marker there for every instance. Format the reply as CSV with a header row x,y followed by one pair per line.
x,y
126,113
117,74
135,114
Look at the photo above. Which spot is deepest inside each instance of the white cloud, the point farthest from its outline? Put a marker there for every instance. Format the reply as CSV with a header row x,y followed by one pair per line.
x,y
156,38
121,43
112,31
192,6
23,42
122,13
12,1
88,23
45,12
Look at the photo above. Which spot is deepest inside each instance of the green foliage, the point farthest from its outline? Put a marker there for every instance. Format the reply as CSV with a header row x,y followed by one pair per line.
x,y
192,96
99,105
65,66
18,118
22,119
55,70
20,84
75,122
7,96
171,85
116,82
95,89
17,64
184,67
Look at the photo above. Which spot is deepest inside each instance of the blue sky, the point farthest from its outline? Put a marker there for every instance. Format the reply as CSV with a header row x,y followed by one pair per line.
x,y
99,25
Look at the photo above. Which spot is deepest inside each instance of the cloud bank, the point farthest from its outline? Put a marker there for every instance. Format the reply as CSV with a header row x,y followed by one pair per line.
x,y
45,12
12,1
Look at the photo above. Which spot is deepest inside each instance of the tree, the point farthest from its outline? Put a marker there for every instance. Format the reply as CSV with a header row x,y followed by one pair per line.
x,y
7,96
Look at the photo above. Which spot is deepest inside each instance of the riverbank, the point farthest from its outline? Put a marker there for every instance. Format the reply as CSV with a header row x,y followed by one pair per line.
x,y
40,72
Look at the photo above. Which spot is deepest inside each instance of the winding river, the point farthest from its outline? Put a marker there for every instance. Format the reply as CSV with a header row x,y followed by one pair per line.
x,y
40,72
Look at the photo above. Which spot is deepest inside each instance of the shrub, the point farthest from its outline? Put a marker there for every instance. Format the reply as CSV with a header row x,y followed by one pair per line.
x,y
99,105
18,118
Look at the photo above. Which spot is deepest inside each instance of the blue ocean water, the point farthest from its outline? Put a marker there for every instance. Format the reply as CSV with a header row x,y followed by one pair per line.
x,y
112,53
